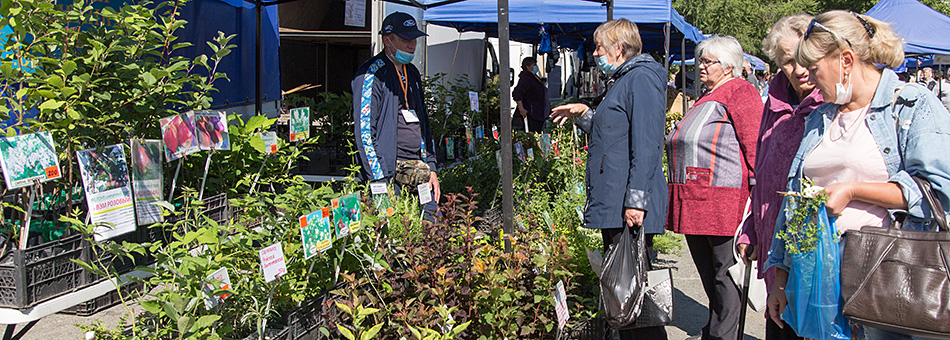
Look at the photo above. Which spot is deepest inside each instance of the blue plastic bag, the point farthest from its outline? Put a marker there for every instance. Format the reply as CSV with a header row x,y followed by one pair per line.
x,y
814,307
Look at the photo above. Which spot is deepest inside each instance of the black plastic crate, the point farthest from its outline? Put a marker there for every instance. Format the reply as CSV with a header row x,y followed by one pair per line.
x,y
588,329
106,301
116,264
41,272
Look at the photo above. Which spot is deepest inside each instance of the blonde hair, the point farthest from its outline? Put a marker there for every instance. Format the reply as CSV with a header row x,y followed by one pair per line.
x,y
726,48
875,44
620,31
792,26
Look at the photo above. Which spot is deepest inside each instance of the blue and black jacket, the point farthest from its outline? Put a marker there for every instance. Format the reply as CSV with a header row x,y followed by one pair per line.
x,y
377,97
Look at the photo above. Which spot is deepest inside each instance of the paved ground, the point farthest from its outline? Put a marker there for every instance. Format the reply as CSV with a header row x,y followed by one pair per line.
x,y
689,308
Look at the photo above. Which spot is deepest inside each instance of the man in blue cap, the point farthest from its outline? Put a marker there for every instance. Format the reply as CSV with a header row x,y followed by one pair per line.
x,y
389,112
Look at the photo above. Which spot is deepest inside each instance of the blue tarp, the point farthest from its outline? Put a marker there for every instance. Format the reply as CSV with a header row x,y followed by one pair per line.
x,y
207,17
569,22
923,29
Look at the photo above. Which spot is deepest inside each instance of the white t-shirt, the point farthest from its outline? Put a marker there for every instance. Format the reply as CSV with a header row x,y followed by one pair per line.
x,y
848,153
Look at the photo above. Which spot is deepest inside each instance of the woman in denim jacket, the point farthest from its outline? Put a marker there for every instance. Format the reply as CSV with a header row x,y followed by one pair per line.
x,y
866,142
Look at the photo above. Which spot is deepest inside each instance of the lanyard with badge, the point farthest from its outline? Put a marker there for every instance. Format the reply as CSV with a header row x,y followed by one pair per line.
x,y
408,114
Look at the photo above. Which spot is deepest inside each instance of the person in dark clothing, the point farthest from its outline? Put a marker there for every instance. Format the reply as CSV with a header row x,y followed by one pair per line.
x,y
531,97
626,188
391,124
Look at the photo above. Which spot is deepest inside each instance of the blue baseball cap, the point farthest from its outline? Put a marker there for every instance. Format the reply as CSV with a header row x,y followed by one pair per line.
x,y
401,24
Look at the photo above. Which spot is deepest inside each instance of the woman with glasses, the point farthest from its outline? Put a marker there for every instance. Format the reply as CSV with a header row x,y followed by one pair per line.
x,y
626,191
711,155
791,97
863,145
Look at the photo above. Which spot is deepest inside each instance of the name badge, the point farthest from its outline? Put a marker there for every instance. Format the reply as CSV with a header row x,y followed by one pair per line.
x,y
410,116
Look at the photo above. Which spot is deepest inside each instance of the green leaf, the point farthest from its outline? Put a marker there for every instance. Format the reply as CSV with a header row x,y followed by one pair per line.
x,y
346,309
151,306
346,332
68,67
51,104
46,93
55,81
205,322
367,311
255,122
371,333
257,143
185,323
170,311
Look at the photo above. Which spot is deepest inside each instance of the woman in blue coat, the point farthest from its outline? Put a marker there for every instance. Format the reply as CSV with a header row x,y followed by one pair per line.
x,y
626,188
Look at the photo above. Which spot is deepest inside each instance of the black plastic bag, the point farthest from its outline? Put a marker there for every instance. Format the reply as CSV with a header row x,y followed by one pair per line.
x,y
623,279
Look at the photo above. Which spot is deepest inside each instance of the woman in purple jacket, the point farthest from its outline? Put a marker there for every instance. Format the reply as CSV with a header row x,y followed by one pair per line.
x,y
531,96
791,98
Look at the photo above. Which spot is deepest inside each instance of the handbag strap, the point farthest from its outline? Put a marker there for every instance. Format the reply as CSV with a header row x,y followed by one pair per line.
x,y
936,208
746,213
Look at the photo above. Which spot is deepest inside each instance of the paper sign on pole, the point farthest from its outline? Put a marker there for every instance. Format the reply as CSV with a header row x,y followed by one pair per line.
x,y
355,13
270,141
220,275
560,305
273,263
27,158
473,100
425,193
105,177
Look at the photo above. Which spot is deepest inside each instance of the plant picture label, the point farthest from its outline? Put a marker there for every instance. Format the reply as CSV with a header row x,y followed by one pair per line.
x,y
473,100
470,141
449,148
518,148
479,132
494,132
270,141
544,143
211,128
346,214
425,193
580,212
27,158
547,219
530,154
316,232
211,300
105,176
299,123
578,189
381,198
378,188
560,305
178,134
520,221
147,181
273,263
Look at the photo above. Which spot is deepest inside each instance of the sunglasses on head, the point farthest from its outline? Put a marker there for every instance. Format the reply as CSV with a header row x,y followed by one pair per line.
x,y
814,23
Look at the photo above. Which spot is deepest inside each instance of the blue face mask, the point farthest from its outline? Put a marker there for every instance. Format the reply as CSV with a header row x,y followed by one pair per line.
x,y
534,69
403,57
608,68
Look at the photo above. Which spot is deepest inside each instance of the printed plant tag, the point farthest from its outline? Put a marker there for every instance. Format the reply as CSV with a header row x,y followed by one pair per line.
x,y
147,181
29,157
494,132
449,148
381,200
273,263
105,176
530,154
178,134
520,221
378,188
346,214
211,128
425,193
560,305
315,232
270,141
479,132
473,100
299,123
220,275
580,212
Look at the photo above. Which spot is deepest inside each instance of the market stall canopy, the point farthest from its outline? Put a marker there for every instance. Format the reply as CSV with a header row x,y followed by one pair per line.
x,y
923,29
207,17
569,22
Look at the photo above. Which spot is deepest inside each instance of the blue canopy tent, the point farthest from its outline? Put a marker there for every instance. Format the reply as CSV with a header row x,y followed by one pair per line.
x,y
923,29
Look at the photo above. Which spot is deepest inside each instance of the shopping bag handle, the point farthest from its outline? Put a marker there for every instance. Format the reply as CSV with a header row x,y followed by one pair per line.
x,y
746,214
936,208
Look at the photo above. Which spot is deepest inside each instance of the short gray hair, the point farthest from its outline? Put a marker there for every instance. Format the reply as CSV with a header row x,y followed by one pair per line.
x,y
726,48
792,26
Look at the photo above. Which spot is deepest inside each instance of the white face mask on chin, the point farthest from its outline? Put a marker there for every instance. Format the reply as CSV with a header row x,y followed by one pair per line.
x,y
842,94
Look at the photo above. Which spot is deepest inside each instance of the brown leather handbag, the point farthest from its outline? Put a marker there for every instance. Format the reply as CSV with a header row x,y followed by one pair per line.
x,y
899,280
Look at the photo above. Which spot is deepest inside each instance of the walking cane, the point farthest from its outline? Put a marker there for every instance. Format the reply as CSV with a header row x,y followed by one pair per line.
x,y
745,297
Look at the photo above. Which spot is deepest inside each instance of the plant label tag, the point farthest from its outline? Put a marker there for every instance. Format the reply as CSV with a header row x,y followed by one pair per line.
x,y
273,263
409,116
530,154
578,188
479,132
494,132
220,275
547,219
580,213
520,221
560,305
425,193
378,188
473,100
270,141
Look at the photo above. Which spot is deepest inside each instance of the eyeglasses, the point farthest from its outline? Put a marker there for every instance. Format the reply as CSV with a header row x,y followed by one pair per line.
x,y
814,23
707,62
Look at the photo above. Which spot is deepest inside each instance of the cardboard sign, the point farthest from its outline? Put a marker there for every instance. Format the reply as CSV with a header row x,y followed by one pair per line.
x,y
560,305
346,214
316,232
211,128
147,180
105,177
273,263
178,134
30,157
473,100
270,141
220,275
425,193
299,123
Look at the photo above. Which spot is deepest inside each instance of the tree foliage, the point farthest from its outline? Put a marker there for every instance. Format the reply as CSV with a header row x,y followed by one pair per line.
x,y
750,20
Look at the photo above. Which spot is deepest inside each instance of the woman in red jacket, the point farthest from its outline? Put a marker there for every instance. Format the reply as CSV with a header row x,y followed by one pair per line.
x,y
711,153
